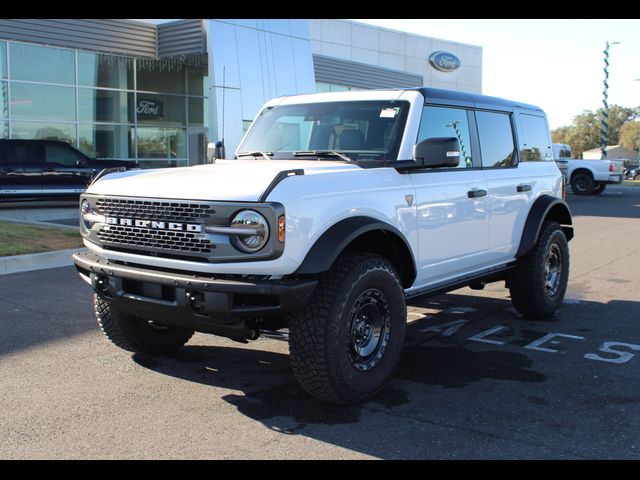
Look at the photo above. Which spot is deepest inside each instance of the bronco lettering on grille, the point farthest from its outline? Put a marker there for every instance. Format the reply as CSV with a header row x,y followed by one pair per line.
x,y
158,225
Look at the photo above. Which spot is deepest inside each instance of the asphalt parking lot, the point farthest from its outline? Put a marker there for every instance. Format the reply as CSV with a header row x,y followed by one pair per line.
x,y
476,380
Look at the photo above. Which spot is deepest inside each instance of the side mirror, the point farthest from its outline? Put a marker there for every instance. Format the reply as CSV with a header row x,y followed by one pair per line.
x,y
437,152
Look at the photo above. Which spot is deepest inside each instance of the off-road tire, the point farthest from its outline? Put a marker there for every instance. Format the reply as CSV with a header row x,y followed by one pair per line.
x,y
582,183
136,334
323,354
599,188
535,292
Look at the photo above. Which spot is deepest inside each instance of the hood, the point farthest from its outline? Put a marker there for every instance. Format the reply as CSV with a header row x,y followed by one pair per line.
x,y
226,180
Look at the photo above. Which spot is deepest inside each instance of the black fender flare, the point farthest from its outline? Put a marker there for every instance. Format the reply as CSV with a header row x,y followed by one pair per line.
x,y
545,207
336,238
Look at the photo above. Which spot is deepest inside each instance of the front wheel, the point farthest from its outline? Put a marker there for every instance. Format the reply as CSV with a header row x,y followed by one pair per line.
x,y
136,334
539,282
346,343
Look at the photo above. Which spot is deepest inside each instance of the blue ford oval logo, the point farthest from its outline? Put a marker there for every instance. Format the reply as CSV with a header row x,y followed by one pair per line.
x,y
444,61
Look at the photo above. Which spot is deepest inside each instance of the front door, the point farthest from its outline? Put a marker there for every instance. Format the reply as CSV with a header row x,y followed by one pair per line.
x,y
453,226
66,170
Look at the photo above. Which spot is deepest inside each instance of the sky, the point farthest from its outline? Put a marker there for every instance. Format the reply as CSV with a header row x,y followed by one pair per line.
x,y
554,64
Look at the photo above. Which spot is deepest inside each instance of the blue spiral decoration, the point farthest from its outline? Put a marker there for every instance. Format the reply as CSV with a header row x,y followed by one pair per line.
x,y
605,112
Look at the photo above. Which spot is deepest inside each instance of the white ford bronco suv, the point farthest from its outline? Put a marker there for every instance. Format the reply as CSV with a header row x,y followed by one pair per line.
x,y
337,210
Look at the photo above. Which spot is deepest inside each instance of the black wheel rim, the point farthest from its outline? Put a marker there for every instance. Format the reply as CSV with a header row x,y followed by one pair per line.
x,y
553,270
368,329
582,184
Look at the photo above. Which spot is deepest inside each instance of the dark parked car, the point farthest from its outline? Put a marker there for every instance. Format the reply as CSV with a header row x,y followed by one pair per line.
x,y
47,169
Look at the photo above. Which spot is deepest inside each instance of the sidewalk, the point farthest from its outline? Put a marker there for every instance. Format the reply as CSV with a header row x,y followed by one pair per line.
x,y
37,261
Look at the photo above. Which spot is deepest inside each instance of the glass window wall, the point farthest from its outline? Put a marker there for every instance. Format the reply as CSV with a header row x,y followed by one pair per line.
x,y
107,71
4,105
3,59
160,76
44,131
42,64
107,141
113,107
43,102
105,106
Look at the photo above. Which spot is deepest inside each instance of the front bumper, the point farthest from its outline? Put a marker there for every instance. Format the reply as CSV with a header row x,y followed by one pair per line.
x,y
202,303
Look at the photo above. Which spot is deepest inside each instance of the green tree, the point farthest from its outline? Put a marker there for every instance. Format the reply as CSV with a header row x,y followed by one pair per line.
x,y
584,133
630,135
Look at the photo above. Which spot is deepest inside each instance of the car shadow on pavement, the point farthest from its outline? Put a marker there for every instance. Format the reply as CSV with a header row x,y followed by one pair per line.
x,y
271,395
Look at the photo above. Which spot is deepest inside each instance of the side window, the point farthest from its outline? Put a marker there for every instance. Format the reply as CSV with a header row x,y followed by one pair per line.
x,y
61,155
448,122
496,139
22,153
535,142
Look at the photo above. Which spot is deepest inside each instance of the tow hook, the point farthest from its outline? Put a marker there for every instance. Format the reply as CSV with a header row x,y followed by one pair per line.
x,y
195,301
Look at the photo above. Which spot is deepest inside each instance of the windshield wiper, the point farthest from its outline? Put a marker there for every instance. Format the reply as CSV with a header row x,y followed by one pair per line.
x,y
266,155
323,153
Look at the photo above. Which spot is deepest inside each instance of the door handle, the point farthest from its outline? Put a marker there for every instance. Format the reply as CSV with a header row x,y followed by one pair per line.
x,y
476,193
524,188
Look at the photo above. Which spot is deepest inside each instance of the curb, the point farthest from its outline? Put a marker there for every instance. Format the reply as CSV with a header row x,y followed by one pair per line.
x,y
37,261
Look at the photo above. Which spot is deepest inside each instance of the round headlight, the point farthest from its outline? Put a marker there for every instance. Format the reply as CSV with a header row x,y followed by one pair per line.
x,y
85,211
257,231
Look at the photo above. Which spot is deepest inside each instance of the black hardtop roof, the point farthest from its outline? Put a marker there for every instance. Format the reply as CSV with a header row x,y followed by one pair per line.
x,y
454,97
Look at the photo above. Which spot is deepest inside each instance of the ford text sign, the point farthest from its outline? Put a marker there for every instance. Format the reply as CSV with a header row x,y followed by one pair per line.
x,y
444,61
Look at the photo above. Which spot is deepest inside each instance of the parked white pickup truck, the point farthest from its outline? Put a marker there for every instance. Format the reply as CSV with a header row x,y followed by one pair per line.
x,y
587,177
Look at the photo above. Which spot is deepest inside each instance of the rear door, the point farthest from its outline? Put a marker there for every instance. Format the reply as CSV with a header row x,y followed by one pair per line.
x,y
21,170
510,188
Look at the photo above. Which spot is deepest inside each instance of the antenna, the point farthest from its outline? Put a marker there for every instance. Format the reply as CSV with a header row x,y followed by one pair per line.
x,y
224,90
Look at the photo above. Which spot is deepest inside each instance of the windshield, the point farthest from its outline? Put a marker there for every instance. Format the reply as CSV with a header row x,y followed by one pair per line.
x,y
361,130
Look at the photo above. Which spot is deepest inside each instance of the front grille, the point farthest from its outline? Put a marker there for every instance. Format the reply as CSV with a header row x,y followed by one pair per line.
x,y
185,242
154,210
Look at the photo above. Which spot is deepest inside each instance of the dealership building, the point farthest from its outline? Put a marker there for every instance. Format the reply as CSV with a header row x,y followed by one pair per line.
x,y
158,92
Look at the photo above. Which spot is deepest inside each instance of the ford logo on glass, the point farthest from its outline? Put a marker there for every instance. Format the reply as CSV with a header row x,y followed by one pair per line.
x,y
148,109
444,61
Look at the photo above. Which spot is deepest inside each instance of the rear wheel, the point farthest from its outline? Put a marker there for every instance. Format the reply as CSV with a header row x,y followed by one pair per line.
x,y
599,188
539,282
136,334
345,344
582,183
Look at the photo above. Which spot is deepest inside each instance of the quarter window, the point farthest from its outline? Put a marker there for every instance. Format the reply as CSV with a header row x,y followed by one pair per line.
x,y
496,139
535,141
448,122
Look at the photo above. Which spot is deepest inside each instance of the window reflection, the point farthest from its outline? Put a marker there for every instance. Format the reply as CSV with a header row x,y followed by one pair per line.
x,y
4,106
106,141
44,131
43,102
448,122
496,139
159,142
105,106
